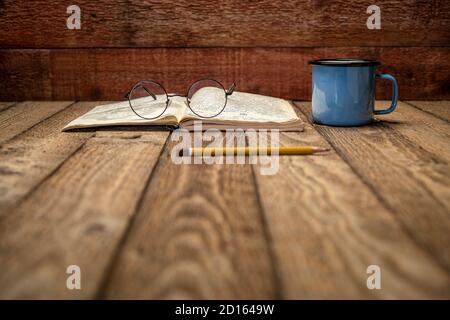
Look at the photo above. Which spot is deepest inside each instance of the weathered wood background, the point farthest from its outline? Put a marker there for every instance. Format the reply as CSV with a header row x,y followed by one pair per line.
x,y
262,45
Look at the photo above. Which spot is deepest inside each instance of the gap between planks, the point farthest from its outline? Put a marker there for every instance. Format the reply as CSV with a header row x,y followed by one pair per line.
x,y
405,160
43,146
32,287
328,228
22,116
101,292
293,291
440,109
278,287
98,188
198,238
6,105
37,150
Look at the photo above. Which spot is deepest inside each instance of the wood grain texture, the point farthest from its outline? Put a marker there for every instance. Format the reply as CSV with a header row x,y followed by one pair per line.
x,y
24,115
6,105
327,227
231,23
440,109
30,157
25,74
197,235
140,227
407,173
107,74
82,223
424,129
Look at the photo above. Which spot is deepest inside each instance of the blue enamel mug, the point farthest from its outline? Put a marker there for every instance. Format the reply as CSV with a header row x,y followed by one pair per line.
x,y
343,92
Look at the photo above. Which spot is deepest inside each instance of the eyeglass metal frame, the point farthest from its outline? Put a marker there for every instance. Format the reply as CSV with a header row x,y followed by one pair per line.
x,y
168,96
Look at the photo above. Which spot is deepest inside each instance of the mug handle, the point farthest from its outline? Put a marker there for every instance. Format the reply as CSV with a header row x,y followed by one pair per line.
x,y
394,93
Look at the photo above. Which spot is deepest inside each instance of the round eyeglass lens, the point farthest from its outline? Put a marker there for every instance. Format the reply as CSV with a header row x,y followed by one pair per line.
x,y
207,98
148,99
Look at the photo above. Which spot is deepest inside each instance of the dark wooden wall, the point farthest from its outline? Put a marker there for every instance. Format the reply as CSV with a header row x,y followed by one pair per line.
x,y
262,45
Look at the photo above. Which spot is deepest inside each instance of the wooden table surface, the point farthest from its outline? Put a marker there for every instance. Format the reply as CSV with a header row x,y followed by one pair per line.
x,y
112,202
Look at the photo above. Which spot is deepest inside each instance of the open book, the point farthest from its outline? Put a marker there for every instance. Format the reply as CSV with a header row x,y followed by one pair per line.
x,y
243,110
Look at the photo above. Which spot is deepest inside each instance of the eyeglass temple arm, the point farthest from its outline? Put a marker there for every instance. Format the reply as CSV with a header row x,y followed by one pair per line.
x,y
231,89
127,96
228,92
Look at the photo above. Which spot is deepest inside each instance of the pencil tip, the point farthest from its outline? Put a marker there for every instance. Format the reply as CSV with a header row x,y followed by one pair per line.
x,y
320,149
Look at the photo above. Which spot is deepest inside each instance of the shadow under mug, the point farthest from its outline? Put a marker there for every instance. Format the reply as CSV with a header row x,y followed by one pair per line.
x,y
343,92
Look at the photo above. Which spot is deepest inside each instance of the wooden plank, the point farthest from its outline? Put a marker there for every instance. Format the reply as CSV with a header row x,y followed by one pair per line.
x,y
24,115
327,227
30,157
25,75
107,74
430,133
232,23
409,178
6,105
440,109
76,217
197,235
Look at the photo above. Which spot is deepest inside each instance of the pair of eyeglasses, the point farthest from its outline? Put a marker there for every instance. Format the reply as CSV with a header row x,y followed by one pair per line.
x,y
206,98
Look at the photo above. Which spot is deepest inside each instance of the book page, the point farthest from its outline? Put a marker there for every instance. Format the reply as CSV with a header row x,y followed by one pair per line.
x,y
120,113
242,107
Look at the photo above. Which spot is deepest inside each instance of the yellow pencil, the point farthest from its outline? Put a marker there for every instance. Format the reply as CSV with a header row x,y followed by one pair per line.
x,y
297,150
